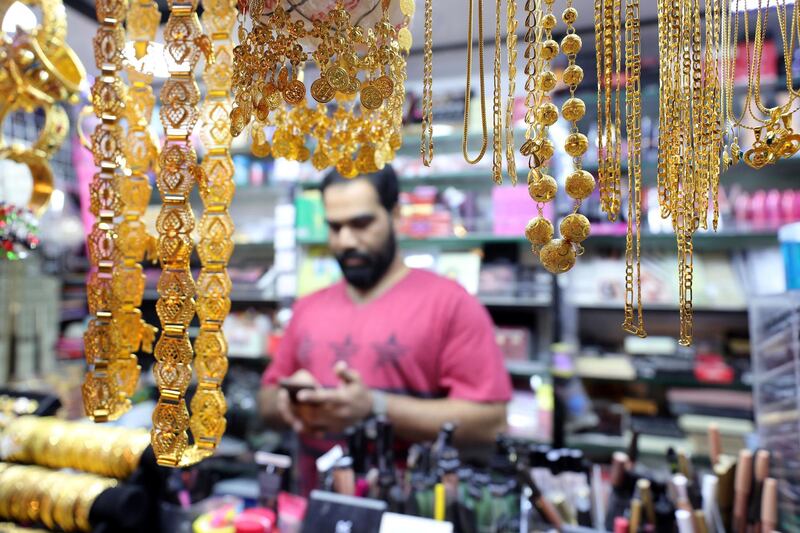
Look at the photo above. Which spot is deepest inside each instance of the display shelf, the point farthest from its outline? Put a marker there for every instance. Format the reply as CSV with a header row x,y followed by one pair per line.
x,y
526,369
237,297
468,241
687,382
597,444
649,308
468,177
516,302
703,241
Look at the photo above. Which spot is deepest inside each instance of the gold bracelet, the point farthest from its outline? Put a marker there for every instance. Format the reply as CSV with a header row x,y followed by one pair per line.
x,y
426,144
468,86
511,51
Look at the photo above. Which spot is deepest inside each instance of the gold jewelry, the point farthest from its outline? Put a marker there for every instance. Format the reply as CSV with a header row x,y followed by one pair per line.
x,y
107,384
497,102
609,142
176,288
468,86
633,126
511,51
216,232
426,144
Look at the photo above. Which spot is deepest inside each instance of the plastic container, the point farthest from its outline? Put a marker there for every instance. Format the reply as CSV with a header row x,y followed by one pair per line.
x,y
789,237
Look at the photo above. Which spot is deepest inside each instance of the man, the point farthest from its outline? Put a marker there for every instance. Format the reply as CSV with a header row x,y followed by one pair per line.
x,y
387,340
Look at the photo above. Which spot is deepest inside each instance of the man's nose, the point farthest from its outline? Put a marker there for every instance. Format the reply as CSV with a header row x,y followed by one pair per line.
x,y
347,238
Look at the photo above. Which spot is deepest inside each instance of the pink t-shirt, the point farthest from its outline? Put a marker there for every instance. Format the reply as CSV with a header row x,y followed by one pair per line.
x,y
425,337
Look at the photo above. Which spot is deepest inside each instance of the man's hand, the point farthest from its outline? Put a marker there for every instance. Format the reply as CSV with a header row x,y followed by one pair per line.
x,y
339,408
287,411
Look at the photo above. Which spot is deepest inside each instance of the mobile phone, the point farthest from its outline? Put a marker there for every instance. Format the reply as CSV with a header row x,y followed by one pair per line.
x,y
294,388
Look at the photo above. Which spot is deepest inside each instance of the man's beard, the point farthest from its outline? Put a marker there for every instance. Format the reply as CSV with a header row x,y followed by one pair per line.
x,y
374,265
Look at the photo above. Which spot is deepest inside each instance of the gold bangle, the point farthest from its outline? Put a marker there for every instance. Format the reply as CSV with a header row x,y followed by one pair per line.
x,y
41,173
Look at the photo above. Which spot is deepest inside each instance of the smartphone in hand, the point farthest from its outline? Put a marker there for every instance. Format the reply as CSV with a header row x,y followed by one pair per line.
x,y
294,388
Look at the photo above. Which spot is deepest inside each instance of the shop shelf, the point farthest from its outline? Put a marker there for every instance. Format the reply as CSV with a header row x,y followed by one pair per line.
x,y
526,368
514,302
666,308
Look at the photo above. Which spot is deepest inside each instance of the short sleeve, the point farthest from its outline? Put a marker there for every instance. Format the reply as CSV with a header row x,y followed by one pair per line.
x,y
471,365
284,363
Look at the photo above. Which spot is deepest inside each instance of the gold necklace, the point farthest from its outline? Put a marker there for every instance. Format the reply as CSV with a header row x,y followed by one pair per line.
x,y
497,97
633,324
426,146
511,51
467,90
607,37
109,375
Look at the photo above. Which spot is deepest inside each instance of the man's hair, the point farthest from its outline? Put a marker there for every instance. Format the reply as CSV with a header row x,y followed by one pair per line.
x,y
384,181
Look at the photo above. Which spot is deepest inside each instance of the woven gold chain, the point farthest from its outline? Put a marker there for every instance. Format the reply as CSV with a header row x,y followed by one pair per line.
x,y
609,145
633,324
497,102
511,50
468,86
426,146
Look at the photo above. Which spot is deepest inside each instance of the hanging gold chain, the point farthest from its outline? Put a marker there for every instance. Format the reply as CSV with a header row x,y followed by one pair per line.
x,y
511,46
110,369
633,324
609,146
426,146
497,97
468,86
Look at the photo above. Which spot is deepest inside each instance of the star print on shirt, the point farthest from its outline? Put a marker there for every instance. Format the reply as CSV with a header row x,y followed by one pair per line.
x,y
389,352
344,351
304,350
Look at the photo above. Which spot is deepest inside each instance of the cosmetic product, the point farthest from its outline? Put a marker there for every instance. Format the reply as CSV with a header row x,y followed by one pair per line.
x,y
344,479
646,496
636,516
769,505
681,486
621,524
542,506
439,502
269,479
684,521
598,496
744,470
760,473
714,443
711,505
725,471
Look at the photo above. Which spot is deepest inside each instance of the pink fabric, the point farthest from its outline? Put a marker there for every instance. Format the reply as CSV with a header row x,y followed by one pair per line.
x,y
425,337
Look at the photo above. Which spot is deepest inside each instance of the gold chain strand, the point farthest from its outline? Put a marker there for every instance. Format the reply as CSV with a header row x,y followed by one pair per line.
x,y
103,395
184,41
426,146
607,32
511,51
633,324
497,101
140,153
468,86
216,230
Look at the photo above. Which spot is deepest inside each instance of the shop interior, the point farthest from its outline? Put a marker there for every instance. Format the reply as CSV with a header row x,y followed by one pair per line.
x,y
614,182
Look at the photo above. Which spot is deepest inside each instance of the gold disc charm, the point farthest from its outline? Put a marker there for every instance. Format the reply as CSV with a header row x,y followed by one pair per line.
x,y
371,97
338,78
385,85
295,92
322,91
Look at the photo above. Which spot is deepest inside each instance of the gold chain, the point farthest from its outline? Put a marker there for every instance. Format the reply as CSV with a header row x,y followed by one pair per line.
x,y
609,146
497,97
468,86
110,368
426,146
184,42
216,230
633,324
511,50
